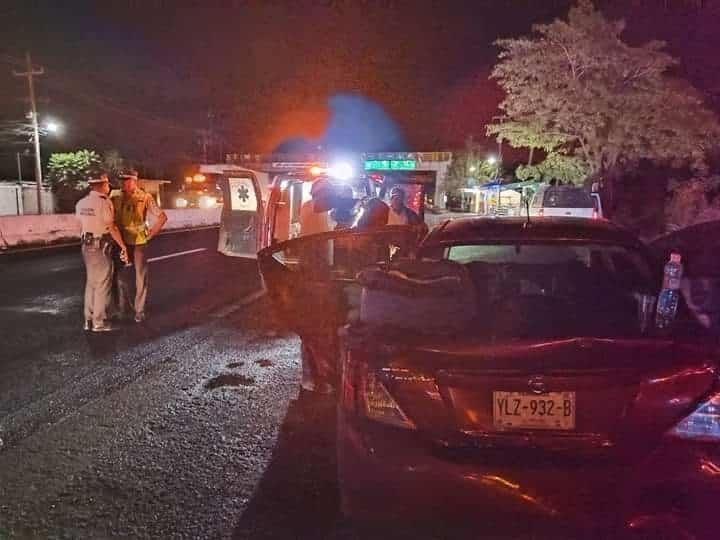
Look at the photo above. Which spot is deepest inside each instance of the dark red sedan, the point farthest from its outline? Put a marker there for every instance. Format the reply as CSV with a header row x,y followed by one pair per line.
x,y
510,368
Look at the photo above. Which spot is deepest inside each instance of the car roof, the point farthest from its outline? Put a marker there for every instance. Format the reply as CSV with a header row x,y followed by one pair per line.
x,y
516,228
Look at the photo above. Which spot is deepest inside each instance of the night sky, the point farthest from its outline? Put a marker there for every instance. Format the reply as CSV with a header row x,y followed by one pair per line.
x,y
144,76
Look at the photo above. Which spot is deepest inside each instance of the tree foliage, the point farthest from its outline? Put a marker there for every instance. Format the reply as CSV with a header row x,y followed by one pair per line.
x,y
470,167
556,166
527,134
693,201
68,175
576,90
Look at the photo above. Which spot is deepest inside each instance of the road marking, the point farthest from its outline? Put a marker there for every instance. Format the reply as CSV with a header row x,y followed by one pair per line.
x,y
178,254
232,308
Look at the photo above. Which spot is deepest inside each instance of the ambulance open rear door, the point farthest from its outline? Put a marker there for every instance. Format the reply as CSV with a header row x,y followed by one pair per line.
x,y
241,220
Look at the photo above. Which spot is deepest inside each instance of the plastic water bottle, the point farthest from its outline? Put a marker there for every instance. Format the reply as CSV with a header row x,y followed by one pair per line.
x,y
670,294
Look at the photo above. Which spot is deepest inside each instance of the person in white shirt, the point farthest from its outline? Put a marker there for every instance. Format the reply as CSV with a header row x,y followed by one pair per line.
x,y
318,366
98,230
314,213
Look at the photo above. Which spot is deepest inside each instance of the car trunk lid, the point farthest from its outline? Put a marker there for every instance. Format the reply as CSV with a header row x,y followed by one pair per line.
x,y
615,389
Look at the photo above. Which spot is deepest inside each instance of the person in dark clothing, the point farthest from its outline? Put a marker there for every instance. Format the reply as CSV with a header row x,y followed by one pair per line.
x,y
399,213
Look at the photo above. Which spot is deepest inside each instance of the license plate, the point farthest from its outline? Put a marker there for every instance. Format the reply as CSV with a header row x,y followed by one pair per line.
x,y
519,410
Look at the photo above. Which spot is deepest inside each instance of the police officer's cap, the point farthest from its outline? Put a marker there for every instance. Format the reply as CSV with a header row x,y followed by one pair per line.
x,y
128,173
98,176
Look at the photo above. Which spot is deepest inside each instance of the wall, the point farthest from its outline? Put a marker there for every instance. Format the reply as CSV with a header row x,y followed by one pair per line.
x,y
11,205
10,202
440,190
30,200
25,231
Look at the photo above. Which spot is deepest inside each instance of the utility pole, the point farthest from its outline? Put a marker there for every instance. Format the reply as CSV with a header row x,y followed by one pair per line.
x,y
17,155
29,74
19,187
204,141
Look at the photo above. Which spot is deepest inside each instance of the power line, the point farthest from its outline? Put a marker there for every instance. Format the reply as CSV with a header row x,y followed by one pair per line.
x,y
69,87
61,82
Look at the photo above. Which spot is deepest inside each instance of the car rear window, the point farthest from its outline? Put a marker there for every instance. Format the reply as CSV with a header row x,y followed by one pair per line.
x,y
556,289
567,198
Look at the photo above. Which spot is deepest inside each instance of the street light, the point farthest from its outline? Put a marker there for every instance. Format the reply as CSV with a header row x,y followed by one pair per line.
x,y
492,160
53,127
473,168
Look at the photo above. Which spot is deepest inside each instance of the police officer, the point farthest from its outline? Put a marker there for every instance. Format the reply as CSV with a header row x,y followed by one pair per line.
x,y
131,209
98,229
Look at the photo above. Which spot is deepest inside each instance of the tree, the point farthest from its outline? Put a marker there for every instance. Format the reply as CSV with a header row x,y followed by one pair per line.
x,y
693,201
527,135
555,166
576,84
68,174
470,167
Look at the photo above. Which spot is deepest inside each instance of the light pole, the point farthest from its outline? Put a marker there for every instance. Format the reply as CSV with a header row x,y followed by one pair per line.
x,y
30,74
19,165
36,134
492,160
50,127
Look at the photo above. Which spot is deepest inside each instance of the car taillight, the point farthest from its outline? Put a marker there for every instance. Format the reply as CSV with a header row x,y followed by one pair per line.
x,y
595,214
541,212
703,423
375,402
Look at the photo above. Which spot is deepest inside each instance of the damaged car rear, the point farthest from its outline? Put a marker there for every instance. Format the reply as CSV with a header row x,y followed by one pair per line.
x,y
509,368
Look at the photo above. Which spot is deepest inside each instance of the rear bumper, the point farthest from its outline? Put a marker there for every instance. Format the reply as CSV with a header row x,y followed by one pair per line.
x,y
387,472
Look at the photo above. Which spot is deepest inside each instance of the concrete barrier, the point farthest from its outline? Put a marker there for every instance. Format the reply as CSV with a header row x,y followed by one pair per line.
x,y
187,219
48,229
31,231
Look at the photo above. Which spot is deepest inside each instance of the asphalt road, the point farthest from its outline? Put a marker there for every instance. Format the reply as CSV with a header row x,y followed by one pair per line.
x,y
43,347
189,426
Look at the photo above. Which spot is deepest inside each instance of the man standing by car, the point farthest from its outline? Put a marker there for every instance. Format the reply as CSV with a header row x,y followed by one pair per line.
x,y
98,229
317,372
314,213
131,209
399,213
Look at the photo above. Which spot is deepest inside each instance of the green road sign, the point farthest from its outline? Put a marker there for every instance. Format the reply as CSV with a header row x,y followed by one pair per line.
x,y
390,165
